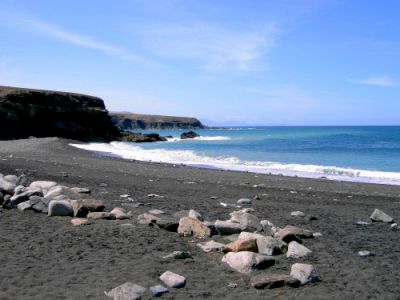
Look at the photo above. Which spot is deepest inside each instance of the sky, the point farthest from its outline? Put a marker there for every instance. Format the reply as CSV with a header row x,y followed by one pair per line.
x,y
226,62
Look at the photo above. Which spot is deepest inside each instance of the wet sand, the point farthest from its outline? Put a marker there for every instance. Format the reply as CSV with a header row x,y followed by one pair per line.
x,y
47,258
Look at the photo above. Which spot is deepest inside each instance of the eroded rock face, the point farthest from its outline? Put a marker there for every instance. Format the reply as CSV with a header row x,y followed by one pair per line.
x,y
39,113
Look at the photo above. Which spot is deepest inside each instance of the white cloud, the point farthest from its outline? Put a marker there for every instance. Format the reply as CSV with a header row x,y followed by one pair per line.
x,y
213,47
53,31
382,81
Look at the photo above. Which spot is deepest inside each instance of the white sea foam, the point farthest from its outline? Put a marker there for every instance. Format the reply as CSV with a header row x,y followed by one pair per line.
x,y
188,157
200,138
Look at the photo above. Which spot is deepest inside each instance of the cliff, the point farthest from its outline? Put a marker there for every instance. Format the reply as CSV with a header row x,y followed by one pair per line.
x,y
40,113
128,121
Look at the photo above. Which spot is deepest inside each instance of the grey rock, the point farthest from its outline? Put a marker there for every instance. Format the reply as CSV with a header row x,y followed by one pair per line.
x,y
272,281
293,233
244,201
232,285
248,222
227,227
380,216
127,291
158,290
362,223
364,253
297,214
156,212
81,190
394,227
100,215
45,186
168,223
245,261
19,198
83,206
181,214
173,280
60,208
23,206
295,250
60,192
8,184
195,215
305,273
120,213
178,255
19,189
266,245
147,219
211,246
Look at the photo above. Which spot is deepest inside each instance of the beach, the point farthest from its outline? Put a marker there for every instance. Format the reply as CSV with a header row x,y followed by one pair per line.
x,y
48,258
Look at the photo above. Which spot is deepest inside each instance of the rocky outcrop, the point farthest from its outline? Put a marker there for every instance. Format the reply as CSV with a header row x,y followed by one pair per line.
x,y
141,137
40,113
189,135
129,121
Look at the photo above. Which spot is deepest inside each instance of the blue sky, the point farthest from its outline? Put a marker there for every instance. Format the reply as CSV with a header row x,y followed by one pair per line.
x,y
259,62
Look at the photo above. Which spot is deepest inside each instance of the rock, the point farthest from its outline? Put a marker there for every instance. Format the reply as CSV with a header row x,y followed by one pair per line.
x,y
380,216
60,208
127,291
227,227
38,204
232,285
195,215
266,245
154,196
180,214
1,198
178,255
156,212
317,234
45,186
248,222
268,228
19,189
273,281
83,206
147,219
60,192
293,233
134,137
168,223
295,250
158,290
81,190
362,223
173,280
189,135
193,227
242,245
211,246
297,214
244,201
394,227
305,273
23,206
100,215
79,221
22,180
19,198
124,196
246,261
364,253
120,213
8,183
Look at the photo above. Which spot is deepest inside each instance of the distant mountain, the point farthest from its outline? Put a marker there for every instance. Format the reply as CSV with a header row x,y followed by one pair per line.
x,y
130,121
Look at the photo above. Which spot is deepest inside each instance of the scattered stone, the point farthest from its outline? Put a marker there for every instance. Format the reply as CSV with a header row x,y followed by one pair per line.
x,y
193,227
158,290
60,208
245,261
227,227
79,221
295,250
248,222
244,201
305,273
81,190
154,196
380,216
394,227
23,206
211,246
364,253
17,199
256,197
39,205
119,213
266,245
103,185
178,255
168,223
126,291
362,223
125,196
45,186
83,206
156,212
317,234
268,228
8,184
147,219
213,197
195,215
173,280
249,244
232,285
297,214
293,233
60,192
100,215
273,281
19,189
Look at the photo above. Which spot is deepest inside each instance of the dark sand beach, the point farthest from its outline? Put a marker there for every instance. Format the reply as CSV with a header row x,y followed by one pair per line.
x,y
47,258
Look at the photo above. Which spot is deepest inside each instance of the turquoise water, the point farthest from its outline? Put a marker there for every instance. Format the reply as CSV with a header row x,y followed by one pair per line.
x,y
366,154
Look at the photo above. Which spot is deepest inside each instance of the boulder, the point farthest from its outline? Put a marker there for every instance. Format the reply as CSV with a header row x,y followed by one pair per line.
x,y
120,213
127,291
168,223
60,192
227,227
193,227
211,246
245,261
266,245
158,290
272,281
83,206
79,221
23,206
19,198
8,183
242,245
45,186
19,189
189,135
195,215
305,273
295,250
147,219
178,255
247,221
380,216
39,205
60,208
100,215
173,280
244,201
293,233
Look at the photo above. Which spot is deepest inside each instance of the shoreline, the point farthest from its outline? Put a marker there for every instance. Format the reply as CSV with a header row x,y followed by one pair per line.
x,y
73,263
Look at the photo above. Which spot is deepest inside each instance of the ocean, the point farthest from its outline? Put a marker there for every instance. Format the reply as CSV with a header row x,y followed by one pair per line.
x,y
347,153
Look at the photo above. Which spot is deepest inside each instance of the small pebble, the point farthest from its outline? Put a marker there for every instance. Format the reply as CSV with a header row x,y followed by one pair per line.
x,y
232,285
158,290
362,223
364,253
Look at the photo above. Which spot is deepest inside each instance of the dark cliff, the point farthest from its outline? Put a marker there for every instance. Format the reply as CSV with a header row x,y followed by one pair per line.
x,y
40,113
129,121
